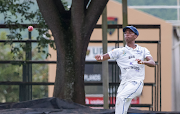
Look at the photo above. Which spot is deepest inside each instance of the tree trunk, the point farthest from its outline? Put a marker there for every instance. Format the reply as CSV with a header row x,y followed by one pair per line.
x,y
71,31
69,82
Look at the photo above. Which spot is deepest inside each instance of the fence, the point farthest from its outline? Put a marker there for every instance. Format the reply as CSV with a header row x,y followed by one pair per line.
x,y
25,87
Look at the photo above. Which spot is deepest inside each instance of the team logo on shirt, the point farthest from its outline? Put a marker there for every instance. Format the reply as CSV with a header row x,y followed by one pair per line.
x,y
124,53
132,56
139,52
134,82
132,67
131,63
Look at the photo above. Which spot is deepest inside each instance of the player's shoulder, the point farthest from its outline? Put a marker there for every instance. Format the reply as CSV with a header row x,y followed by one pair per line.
x,y
118,49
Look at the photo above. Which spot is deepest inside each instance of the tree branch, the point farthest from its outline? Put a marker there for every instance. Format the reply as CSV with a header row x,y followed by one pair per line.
x,y
53,20
59,6
77,17
77,11
94,11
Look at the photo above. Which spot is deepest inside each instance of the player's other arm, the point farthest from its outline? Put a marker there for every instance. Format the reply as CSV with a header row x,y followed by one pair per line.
x,y
101,58
150,62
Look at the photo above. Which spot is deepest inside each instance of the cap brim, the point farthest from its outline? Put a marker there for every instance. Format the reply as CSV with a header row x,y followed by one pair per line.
x,y
124,29
133,30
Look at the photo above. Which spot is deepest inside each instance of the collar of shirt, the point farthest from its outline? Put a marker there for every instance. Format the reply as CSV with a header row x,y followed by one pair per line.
x,y
129,48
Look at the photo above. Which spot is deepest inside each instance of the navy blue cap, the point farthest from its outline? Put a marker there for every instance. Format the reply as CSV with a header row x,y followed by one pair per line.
x,y
132,28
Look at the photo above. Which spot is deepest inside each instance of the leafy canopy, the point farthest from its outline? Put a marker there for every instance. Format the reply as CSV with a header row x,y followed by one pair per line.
x,y
18,12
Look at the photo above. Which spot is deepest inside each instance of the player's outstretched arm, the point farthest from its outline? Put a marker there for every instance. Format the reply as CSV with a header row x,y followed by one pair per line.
x,y
150,62
101,58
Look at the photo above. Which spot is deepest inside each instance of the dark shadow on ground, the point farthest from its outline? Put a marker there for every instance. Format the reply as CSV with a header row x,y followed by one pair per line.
x,y
50,106
59,106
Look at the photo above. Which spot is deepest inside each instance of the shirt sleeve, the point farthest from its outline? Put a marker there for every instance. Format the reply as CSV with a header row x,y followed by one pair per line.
x,y
114,54
146,52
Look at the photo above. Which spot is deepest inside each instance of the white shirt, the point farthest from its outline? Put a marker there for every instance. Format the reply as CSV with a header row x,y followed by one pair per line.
x,y
125,58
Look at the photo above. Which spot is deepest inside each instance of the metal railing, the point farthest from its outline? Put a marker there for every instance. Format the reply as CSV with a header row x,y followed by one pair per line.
x,y
26,85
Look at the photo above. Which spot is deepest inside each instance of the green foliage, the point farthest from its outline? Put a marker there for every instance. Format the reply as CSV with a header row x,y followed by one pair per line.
x,y
39,74
17,12
65,3
8,72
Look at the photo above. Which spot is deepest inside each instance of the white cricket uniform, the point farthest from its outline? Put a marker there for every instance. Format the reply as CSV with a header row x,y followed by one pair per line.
x,y
132,74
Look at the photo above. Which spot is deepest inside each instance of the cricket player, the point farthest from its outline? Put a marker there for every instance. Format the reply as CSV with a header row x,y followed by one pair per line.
x,y
132,60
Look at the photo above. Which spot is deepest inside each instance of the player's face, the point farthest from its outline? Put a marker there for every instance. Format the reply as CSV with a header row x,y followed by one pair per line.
x,y
129,35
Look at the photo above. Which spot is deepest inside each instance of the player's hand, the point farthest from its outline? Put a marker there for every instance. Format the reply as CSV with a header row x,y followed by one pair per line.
x,y
139,61
99,57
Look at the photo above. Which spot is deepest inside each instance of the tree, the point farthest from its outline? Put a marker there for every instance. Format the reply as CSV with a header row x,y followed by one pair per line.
x,y
71,30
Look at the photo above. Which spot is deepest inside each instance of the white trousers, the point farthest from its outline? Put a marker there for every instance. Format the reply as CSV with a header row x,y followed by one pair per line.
x,y
126,92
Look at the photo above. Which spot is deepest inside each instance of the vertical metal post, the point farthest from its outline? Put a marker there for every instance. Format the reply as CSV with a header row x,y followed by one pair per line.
x,y
157,77
152,96
155,89
26,90
29,57
118,35
160,65
105,72
112,85
125,17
